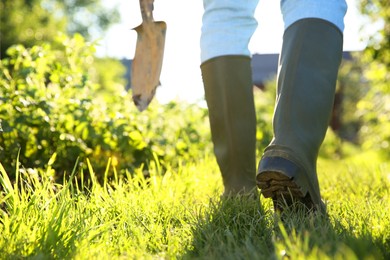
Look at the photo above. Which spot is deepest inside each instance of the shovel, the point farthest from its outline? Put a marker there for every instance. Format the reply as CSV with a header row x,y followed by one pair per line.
x,y
149,52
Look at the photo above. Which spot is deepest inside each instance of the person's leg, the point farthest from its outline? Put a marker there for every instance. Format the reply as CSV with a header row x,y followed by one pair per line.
x,y
309,62
227,28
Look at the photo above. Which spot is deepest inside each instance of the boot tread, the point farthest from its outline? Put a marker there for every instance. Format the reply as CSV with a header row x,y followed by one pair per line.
x,y
283,190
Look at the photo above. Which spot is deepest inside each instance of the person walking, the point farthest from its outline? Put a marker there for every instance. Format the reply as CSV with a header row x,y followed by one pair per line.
x,y
308,66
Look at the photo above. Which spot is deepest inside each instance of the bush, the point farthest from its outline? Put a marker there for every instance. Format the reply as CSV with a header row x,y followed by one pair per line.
x,y
51,108
57,107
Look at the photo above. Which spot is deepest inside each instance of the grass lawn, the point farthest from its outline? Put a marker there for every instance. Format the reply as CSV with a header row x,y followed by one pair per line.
x,y
179,216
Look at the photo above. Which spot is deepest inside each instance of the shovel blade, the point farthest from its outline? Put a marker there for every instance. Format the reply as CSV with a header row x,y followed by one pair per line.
x,y
147,63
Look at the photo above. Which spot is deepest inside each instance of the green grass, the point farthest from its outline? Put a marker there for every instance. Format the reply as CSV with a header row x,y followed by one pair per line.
x,y
179,215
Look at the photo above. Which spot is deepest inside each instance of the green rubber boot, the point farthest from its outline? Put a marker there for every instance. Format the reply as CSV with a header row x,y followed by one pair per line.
x,y
229,95
309,62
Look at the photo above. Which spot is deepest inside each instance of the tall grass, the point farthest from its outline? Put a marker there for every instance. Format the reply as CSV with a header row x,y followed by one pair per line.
x,y
179,214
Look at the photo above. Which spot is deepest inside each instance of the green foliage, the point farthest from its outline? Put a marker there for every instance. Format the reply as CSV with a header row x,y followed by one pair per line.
x,y
378,49
84,16
50,106
31,22
28,23
375,112
351,88
374,109
108,73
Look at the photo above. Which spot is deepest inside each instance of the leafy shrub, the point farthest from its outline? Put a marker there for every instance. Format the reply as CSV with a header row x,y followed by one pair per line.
x,y
374,109
51,108
54,107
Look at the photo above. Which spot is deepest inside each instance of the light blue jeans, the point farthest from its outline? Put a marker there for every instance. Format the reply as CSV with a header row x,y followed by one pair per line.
x,y
228,25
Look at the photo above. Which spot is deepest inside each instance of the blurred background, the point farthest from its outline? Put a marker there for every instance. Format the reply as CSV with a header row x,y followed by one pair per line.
x,y
181,74
110,23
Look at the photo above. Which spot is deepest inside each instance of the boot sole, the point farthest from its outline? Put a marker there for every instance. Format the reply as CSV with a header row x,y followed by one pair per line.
x,y
283,190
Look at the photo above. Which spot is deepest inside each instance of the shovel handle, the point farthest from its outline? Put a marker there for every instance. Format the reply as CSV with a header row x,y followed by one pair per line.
x,y
147,10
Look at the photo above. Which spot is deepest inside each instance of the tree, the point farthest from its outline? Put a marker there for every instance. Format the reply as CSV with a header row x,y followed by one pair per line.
x,y
27,22
378,48
374,109
30,22
85,16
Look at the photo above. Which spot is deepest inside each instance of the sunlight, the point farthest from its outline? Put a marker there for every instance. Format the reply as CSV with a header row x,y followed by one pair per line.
x,y
180,76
